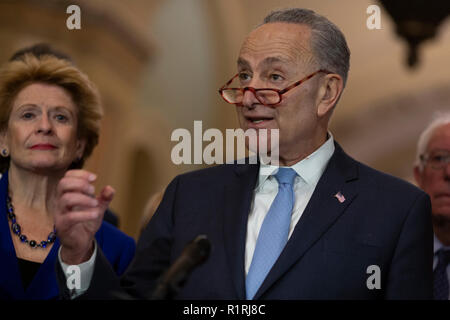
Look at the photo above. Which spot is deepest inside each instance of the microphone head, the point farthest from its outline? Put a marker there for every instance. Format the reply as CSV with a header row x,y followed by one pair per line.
x,y
199,249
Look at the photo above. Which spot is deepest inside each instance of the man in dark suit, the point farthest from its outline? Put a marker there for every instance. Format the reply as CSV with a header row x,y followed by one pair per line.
x,y
432,173
322,226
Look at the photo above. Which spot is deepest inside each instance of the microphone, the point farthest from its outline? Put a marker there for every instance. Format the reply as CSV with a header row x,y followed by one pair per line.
x,y
195,253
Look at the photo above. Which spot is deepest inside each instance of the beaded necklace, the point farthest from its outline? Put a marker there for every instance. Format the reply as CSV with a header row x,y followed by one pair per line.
x,y
15,227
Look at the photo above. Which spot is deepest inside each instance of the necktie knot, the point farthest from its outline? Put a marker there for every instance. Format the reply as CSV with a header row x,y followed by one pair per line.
x,y
286,176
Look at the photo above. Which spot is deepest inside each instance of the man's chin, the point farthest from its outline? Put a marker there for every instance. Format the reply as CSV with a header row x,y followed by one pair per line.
x,y
441,220
264,152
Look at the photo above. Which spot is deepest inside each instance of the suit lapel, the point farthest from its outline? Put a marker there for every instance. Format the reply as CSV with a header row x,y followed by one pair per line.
x,y
323,209
238,198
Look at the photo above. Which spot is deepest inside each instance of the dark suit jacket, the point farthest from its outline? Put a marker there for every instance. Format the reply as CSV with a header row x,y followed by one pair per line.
x,y
383,221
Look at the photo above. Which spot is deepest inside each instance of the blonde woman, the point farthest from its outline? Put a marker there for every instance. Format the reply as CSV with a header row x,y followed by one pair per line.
x,y
49,122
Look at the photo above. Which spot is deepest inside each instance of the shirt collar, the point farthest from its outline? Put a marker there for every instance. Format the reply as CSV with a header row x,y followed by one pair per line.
x,y
438,245
310,169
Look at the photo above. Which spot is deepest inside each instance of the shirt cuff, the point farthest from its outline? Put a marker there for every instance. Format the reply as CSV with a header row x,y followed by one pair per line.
x,y
78,277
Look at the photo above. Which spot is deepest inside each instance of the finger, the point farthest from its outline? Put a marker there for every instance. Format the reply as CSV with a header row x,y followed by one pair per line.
x,y
106,195
75,184
73,199
80,173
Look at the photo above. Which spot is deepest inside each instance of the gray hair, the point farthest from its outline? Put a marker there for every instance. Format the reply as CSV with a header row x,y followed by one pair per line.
x,y
440,118
327,41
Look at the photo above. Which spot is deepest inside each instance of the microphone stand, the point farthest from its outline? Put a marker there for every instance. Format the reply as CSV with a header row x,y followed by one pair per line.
x,y
194,254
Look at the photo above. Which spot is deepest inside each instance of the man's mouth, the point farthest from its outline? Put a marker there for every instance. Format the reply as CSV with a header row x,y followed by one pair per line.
x,y
258,120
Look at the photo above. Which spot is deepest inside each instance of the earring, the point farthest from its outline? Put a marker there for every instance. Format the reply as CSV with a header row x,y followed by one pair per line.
x,y
5,152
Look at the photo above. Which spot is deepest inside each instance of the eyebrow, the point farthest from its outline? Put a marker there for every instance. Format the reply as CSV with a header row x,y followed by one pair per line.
x,y
241,62
439,150
26,105
271,60
61,108
32,105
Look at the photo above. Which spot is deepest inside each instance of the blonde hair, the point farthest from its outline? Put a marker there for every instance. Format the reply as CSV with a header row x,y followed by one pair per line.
x,y
49,69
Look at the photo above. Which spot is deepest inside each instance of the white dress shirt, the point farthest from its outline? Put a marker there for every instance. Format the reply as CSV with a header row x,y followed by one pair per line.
x,y
309,171
86,271
437,246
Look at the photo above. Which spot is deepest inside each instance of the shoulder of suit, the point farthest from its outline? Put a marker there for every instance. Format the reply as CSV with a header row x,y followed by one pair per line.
x,y
384,180
213,171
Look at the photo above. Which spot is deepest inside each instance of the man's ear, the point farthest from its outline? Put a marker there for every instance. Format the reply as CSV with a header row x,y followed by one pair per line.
x,y
418,176
329,93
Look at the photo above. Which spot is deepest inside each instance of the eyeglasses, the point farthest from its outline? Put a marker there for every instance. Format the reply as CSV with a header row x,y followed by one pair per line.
x,y
437,160
266,96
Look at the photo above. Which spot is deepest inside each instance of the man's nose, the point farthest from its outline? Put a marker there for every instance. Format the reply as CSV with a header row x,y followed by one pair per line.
x,y
447,171
249,100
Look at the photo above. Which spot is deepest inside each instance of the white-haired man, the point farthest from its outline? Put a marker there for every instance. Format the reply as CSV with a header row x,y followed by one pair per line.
x,y
432,173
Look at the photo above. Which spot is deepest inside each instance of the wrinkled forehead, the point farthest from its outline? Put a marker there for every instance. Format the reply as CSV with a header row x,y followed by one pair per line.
x,y
287,43
44,94
440,138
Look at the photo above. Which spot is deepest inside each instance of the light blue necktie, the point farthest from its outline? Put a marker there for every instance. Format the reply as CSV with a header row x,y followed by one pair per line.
x,y
274,232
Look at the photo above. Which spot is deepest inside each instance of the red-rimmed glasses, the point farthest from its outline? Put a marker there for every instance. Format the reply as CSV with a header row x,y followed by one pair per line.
x,y
266,96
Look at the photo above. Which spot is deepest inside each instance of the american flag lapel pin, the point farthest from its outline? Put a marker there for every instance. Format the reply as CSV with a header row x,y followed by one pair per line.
x,y
340,197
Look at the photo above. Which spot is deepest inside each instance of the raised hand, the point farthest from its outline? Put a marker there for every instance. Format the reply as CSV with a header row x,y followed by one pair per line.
x,y
79,214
